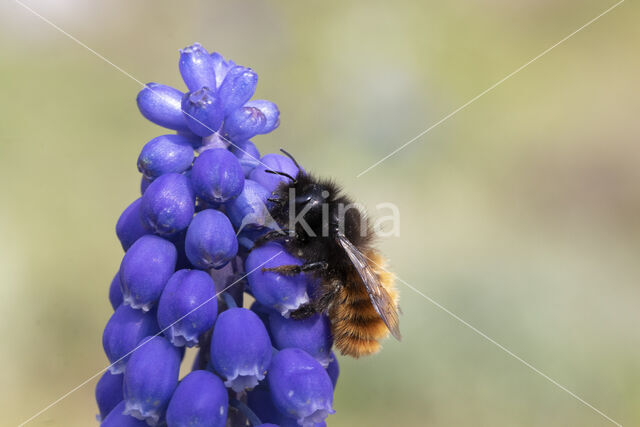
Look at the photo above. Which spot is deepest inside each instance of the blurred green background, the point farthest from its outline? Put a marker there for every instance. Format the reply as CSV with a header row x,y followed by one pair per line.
x,y
521,214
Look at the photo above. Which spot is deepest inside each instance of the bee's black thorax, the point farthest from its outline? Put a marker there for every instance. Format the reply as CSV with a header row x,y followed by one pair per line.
x,y
313,212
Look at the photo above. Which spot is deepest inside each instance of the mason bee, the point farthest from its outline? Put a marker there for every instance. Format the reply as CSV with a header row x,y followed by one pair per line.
x,y
335,243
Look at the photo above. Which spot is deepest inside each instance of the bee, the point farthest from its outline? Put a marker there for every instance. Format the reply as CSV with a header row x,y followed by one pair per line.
x,y
335,243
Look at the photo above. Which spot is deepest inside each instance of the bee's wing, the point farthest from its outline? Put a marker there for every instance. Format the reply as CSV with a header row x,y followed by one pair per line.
x,y
380,298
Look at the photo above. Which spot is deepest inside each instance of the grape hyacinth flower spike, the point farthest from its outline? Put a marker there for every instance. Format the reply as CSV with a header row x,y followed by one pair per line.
x,y
190,270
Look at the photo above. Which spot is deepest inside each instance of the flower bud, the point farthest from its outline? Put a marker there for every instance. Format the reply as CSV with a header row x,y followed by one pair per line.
x,y
150,379
108,393
165,154
248,155
217,176
124,330
249,209
145,269
240,348
312,335
244,123
300,387
197,67
130,226
221,67
211,241
199,400
275,162
168,204
260,402
187,307
161,105
117,418
270,111
279,292
203,111
237,88
115,291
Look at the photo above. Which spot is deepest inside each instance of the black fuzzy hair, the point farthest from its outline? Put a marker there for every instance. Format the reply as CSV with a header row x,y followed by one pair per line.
x,y
322,248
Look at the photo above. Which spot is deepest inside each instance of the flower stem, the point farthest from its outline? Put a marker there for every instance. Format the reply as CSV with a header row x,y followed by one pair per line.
x,y
246,411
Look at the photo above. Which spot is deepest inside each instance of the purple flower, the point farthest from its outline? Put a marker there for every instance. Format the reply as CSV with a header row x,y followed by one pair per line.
x,y
276,291
130,226
108,393
300,387
117,418
217,176
203,206
123,332
249,209
248,155
161,105
115,291
197,67
274,162
168,204
200,400
237,88
211,241
150,379
244,123
270,111
221,67
187,307
240,348
312,335
165,154
333,370
145,269
203,111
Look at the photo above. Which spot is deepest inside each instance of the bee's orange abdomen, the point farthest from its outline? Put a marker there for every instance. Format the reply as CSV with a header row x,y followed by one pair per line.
x,y
356,326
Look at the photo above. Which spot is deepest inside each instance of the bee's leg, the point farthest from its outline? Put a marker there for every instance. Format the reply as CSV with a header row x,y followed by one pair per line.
x,y
269,236
324,299
293,269
304,311
321,302
313,266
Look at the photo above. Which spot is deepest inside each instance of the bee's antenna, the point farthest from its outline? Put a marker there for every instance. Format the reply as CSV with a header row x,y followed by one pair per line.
x,y
292,158
282,174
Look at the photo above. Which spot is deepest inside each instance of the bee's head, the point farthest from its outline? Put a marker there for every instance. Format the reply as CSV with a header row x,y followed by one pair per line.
x,y
309,201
